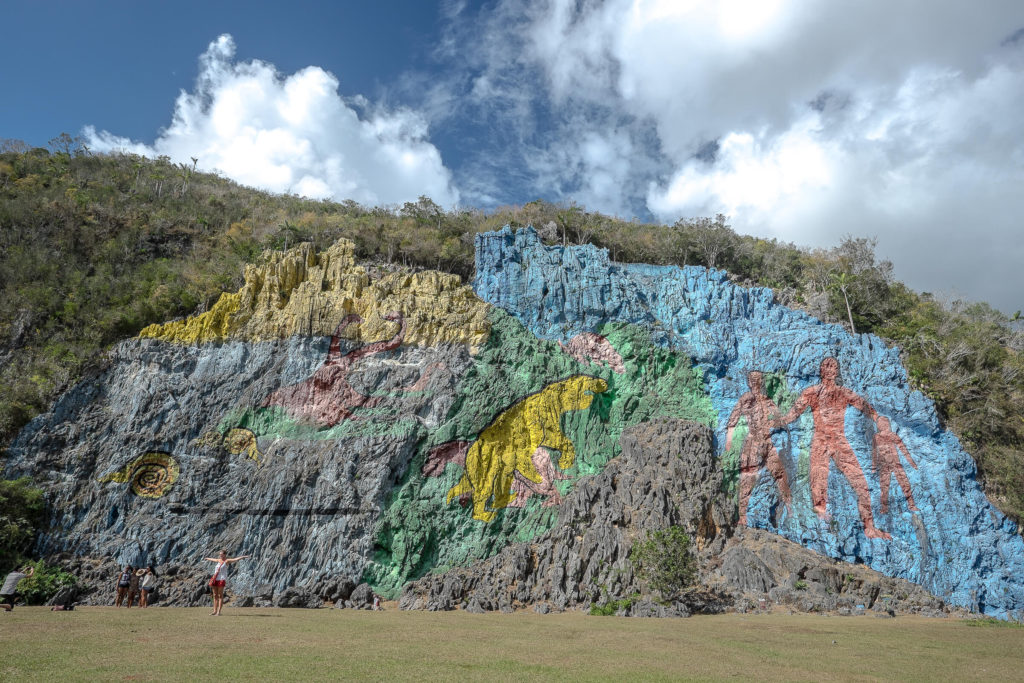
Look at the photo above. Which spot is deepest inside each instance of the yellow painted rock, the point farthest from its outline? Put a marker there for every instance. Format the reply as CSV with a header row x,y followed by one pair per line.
x,y
151,475
305,292
507,445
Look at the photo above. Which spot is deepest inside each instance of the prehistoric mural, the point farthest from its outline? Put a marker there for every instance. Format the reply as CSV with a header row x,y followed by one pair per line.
x,y
812,457
885,458
530,418
151,475
588,347
509,459
827,402
387,425
758,451
326,398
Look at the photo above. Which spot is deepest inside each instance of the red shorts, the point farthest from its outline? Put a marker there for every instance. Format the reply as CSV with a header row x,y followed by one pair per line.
x,y
218,584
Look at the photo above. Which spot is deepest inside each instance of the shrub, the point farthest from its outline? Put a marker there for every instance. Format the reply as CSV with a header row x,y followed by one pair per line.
x,y
22,511
44,583
664,561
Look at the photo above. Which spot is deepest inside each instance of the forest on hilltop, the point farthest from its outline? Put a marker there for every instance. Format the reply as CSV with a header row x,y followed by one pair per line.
x,y
95,247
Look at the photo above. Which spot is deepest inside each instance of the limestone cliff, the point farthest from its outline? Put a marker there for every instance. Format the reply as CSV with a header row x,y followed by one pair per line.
x,y
828,445
303,292
346,425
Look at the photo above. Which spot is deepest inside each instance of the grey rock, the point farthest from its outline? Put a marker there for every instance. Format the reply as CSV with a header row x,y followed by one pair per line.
x,y
65,595
307,513
297,597
362,596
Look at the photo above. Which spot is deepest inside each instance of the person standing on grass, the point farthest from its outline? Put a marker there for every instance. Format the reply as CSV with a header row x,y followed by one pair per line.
x,y
220,578
8,594
124,582
133,588
149,577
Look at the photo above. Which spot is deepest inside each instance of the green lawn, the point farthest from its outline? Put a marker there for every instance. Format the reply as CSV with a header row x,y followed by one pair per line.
x,y
102,643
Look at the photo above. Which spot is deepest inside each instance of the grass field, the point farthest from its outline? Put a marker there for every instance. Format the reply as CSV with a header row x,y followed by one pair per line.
x,y
102,643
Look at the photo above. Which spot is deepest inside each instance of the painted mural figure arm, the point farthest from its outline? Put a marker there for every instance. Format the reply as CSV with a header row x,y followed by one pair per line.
x,y
741,409
803,402
900,446
861,404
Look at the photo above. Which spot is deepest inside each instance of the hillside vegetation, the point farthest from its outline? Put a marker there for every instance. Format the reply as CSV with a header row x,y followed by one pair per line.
x,y
93,248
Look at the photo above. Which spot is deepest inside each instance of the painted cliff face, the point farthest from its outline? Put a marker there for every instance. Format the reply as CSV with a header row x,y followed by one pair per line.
x,y
530,418
383,426
857,467
827,402
510,459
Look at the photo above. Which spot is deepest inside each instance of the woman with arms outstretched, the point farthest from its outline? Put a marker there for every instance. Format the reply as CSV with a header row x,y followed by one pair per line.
x,y
220,578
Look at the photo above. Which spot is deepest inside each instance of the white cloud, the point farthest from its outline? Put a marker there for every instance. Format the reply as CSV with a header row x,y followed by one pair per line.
x,y
891,118
295,134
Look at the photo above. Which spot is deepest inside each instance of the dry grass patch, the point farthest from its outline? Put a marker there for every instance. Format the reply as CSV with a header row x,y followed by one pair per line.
x,y
102,643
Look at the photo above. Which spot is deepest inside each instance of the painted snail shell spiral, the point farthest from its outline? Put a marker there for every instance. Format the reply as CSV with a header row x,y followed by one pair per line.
x,y
151,475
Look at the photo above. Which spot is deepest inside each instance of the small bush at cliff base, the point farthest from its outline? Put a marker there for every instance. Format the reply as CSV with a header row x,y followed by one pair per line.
x,y
664,561
22,510
44,583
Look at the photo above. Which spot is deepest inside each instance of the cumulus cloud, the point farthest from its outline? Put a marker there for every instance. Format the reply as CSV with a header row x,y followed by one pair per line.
x,y
799,119
295,134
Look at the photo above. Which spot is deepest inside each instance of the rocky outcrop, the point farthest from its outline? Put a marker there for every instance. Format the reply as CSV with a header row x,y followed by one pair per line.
x,y
667,475
762,570
303,498
873,476
355,430
305,292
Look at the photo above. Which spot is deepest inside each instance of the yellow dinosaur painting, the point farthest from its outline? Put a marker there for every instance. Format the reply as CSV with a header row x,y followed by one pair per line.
x,y
508,445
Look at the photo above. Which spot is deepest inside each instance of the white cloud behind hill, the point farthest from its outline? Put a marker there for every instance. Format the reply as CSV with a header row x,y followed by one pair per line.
x,y
295,134
801,120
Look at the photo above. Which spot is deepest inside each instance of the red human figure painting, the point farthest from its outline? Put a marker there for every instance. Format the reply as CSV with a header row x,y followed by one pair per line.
x,y
828,401
886,447
758,450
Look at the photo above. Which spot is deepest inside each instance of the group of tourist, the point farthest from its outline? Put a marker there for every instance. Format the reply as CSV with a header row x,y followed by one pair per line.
x,y
135,583
141,582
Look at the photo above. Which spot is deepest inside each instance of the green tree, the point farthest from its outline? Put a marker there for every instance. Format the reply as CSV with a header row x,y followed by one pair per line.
x,y
664,561
22,512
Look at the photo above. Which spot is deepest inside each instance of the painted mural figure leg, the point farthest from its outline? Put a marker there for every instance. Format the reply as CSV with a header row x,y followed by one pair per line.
x,y
503,493
848,464
884,481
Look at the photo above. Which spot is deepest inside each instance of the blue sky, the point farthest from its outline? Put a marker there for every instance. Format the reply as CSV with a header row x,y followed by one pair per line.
x,y
800,120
